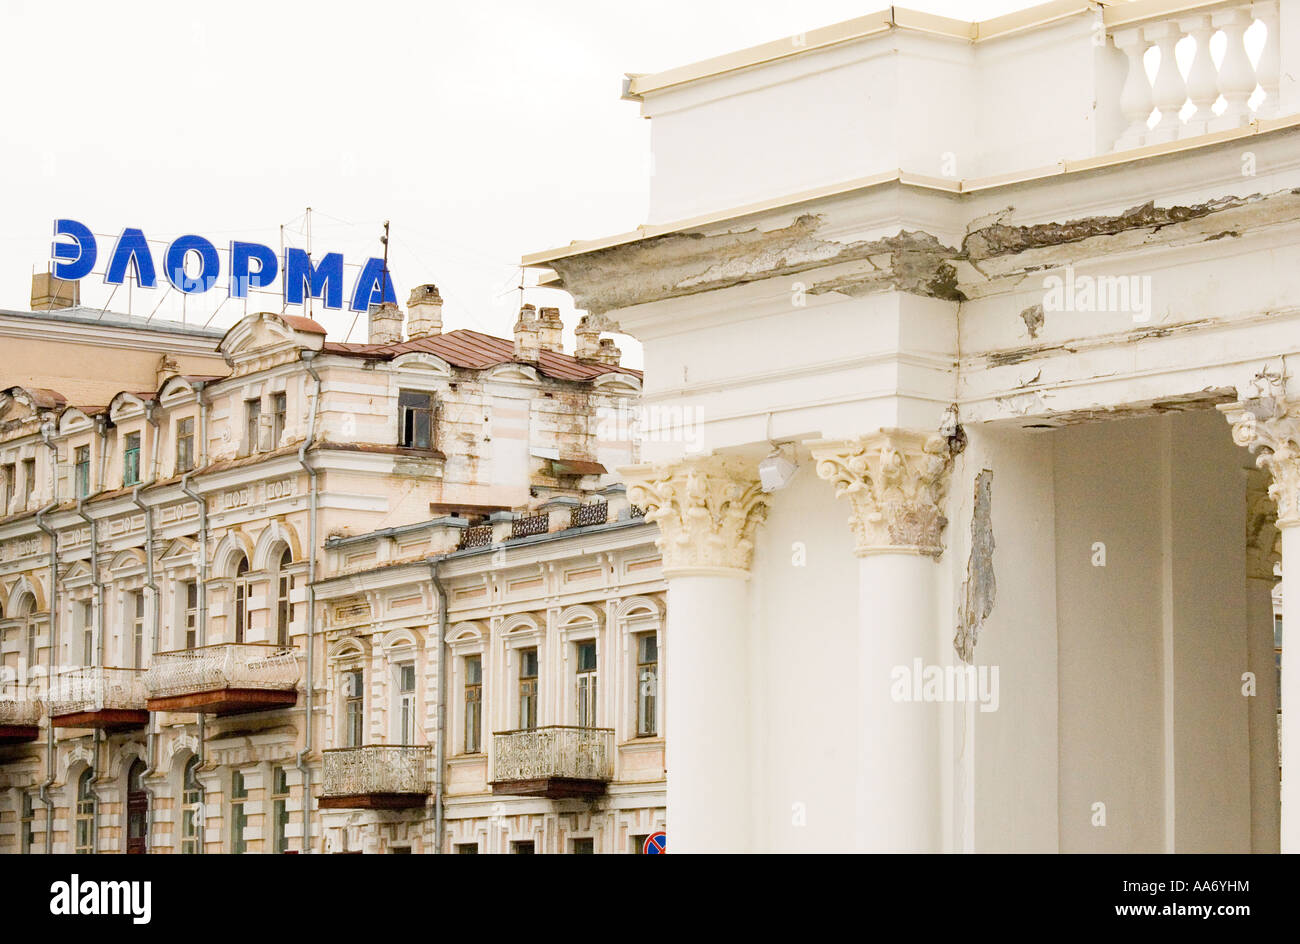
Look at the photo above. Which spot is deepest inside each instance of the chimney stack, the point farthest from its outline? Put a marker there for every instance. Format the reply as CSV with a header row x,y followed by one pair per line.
x,y
526,329
423,312
550,331
588,336
51,294
385,323
607,353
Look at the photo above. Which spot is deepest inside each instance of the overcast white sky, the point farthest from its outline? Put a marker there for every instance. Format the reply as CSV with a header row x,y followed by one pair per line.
x,y
482,130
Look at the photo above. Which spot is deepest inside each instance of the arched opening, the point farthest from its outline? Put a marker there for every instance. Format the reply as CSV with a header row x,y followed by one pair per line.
x,y
85,826
137,809
191,800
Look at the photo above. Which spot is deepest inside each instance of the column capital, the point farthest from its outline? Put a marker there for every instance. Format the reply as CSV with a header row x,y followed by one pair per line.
x,y
708,509
895,481
1269,427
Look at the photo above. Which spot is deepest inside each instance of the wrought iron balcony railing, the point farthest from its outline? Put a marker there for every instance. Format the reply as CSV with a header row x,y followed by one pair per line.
x,y
377,775
553,761
93,690
228,665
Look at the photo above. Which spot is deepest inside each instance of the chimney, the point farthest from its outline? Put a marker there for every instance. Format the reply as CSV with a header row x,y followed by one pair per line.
x,y
588,335
526,346
608,353
550,331
423,312
51,294
385,323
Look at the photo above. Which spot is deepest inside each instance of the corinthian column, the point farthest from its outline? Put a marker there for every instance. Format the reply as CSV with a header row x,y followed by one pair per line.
x,y
1270,427
707,509
895,483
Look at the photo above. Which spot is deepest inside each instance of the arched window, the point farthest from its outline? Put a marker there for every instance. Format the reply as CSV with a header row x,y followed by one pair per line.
x,y
242,597
191,798
137,809
85,834
284,605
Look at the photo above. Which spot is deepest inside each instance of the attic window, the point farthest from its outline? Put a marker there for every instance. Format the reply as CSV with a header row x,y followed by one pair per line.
x,y
415,419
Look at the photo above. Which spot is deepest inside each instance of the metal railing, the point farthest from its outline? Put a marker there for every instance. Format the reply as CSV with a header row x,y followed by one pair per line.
x,y
587,515
376,768
530,525
477,536
258,666
554,751
96,689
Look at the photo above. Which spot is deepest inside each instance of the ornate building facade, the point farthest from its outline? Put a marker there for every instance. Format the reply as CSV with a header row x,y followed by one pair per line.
x,y
279,606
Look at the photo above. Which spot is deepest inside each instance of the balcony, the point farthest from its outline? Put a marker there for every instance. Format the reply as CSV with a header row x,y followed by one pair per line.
x,y
225,679
555,762
375,777
107,698
20,719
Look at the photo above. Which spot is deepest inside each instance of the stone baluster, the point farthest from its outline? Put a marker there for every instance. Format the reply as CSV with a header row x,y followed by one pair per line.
x,y
1269,70
1236,74
1202,77
1135,98
1169,91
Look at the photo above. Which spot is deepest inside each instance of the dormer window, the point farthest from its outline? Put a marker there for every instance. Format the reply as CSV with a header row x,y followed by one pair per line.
x,y
81,471
184,445
131,460
29,481
279,410
252,424
415,419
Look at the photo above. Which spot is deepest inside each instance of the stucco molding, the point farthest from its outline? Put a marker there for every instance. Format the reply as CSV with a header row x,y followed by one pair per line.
x,y
896,481
708,509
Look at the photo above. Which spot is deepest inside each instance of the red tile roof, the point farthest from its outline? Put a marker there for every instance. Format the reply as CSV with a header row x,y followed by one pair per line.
x,y
477,351
299,323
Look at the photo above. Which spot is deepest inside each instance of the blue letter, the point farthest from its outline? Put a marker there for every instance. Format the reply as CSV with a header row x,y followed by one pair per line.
x,y
132,250
79,257
241,279
325,278
208,265
368,291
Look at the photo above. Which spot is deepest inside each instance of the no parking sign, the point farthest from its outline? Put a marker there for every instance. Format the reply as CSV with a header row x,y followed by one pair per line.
x,y
656,844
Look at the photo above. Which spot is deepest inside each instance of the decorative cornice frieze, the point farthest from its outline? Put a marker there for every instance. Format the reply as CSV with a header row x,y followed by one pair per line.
x,y
708,509
895,481
1269,426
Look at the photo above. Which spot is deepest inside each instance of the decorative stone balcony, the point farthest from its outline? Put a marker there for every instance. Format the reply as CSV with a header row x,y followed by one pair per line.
x,y
225,679
98,697
555,762
20,719
375,777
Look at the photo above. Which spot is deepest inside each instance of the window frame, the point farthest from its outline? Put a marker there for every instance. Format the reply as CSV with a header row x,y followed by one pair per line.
x,y
238,818
472,696
131,459
84,826
253,424
409,414
81,471
185,455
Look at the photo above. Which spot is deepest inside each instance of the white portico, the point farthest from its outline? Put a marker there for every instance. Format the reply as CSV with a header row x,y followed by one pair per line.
x,y
995,306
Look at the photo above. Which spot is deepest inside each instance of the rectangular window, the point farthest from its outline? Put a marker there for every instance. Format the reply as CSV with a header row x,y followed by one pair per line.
x,y
137,629
467,848
524,847
647,685
191,797
583,846
32,652
9,486
279,810
27,824
527,689
586,685
191,613
81,462
238,819
184,445
638,844
279,410
473,704
85,833
131,460
354,708
406,703
415,419
29,481
283,608
253,425
87,613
